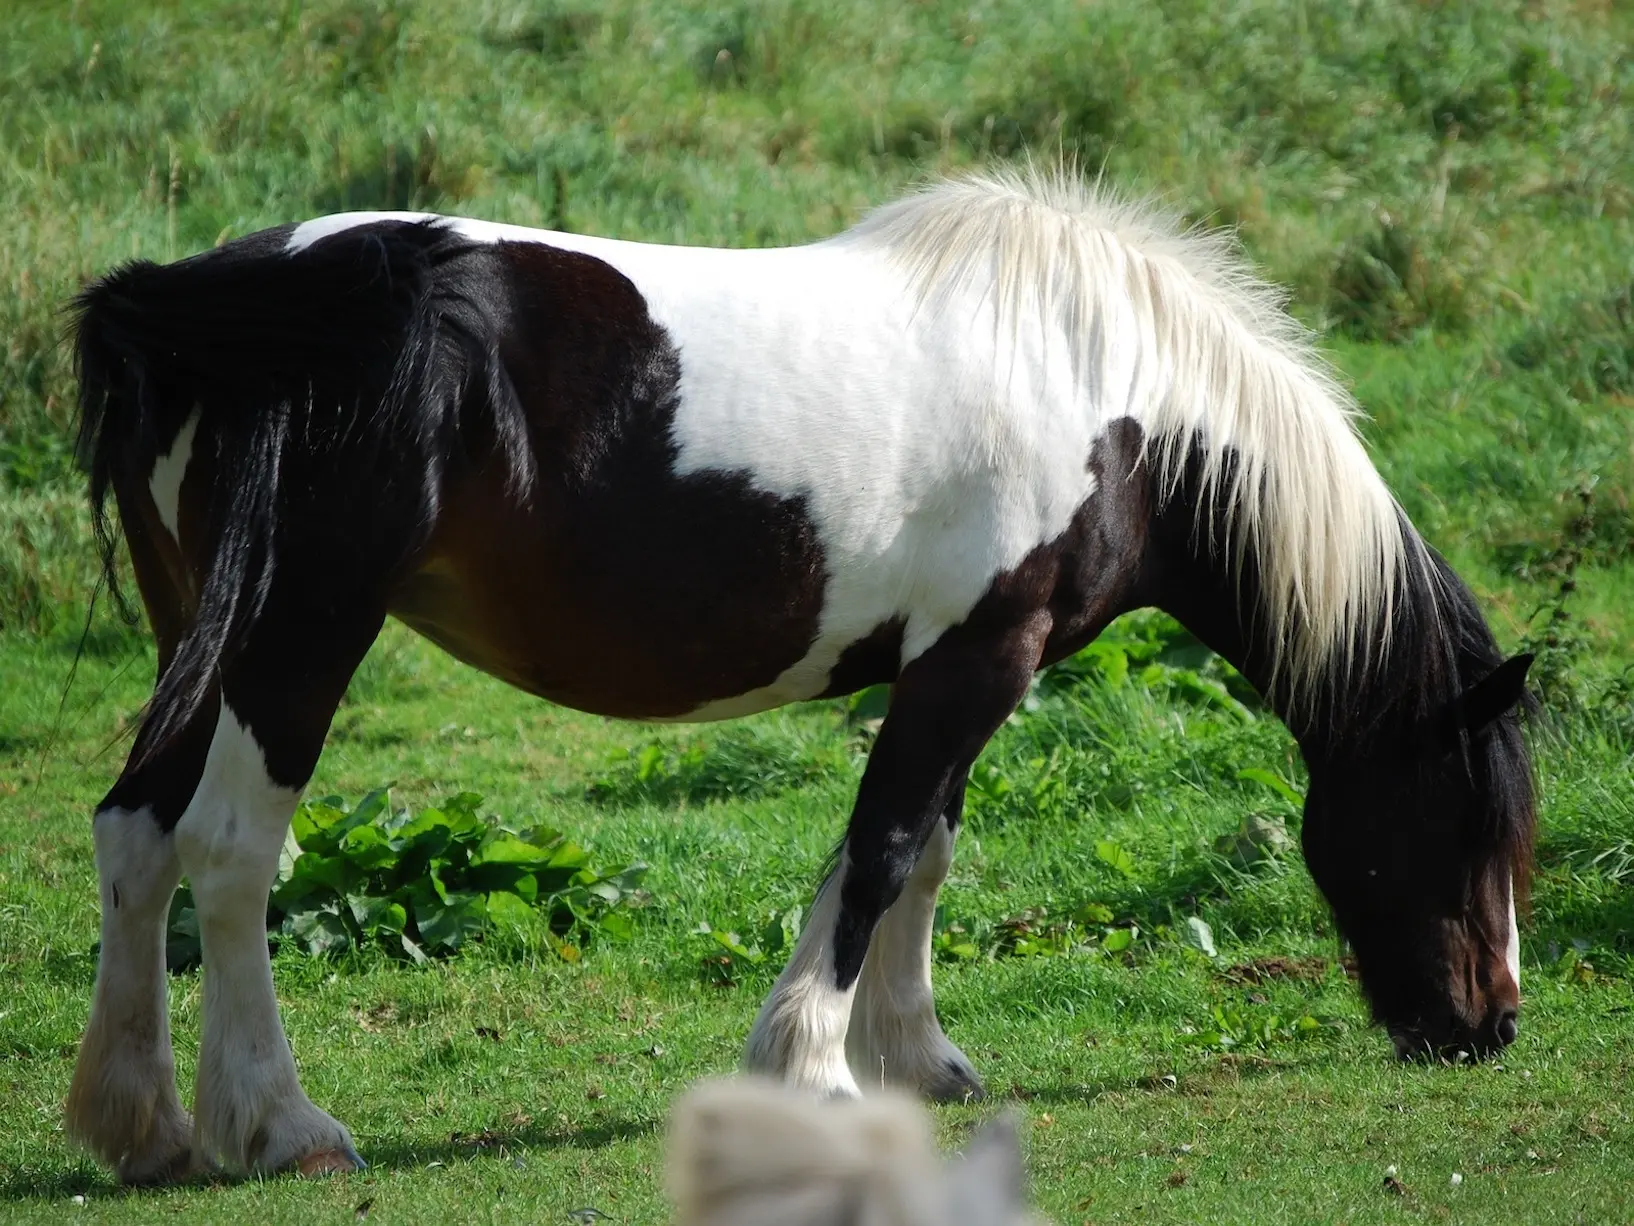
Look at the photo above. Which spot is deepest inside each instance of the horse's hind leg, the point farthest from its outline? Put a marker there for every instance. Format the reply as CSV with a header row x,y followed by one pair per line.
x,y
279,693
894,1033
947,702
214,804
122,1104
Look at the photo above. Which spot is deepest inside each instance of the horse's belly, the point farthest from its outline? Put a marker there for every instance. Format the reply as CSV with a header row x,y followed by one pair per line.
x,y
666,620
607,687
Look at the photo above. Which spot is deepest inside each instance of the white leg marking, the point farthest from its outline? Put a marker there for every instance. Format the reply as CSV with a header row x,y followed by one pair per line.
x,y
800,1033
168,471
894,1033
123,1104
251,1111
1513,953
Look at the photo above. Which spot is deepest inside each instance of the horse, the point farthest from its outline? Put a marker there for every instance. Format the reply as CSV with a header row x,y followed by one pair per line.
x,y
941,450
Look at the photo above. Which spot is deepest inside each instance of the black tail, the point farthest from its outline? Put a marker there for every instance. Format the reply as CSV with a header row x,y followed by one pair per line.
x,y
357,366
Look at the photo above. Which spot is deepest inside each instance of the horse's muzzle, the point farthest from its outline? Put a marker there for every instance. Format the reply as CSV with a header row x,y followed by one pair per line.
x,y
1496,1031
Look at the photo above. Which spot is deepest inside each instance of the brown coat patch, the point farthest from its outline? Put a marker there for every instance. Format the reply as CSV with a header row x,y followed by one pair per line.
x,y
620,588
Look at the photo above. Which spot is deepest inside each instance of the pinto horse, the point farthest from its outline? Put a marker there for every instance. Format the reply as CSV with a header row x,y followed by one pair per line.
x,y
940,450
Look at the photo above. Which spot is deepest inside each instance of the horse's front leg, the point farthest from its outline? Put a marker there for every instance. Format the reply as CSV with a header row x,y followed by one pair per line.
x,y
894,1033
946,704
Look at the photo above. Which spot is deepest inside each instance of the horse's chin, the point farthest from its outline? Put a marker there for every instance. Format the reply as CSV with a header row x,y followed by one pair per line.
x,y
1414,1046
1410,1046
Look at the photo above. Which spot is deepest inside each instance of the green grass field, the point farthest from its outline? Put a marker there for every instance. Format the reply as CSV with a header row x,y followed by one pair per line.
x,y
1447,191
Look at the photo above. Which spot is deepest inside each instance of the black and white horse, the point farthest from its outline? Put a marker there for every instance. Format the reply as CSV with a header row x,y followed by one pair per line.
x,y
941,450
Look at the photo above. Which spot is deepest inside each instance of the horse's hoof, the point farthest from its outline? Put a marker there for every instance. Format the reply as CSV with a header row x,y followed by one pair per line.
x,y
177,1167
323,1162
955,1082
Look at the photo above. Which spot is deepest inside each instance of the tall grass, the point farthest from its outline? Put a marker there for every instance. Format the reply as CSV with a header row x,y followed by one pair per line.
x,y
1450,182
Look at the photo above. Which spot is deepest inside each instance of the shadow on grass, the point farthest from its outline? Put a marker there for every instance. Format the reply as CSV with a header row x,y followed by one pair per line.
x,y
1204,882
84,1179
1587,922
510,1143
95,1184
1229,1067
60,968
21,743
740,764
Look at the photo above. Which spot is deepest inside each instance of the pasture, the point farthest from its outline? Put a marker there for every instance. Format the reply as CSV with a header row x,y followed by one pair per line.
x,y
1129,949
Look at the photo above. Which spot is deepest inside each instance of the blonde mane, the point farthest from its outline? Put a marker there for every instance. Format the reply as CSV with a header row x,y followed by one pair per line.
x,y
1222,368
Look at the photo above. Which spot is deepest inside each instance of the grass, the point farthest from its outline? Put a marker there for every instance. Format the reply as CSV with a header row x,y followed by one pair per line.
x,y
1446,191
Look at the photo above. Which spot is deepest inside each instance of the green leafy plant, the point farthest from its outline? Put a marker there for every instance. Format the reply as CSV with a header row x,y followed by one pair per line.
x,y
1572,965
731,957
747,761
423,885
1033,933
1151,650
1230,1028
1115,857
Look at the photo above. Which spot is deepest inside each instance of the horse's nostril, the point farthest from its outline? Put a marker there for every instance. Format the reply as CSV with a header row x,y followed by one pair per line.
x,y
1508,1027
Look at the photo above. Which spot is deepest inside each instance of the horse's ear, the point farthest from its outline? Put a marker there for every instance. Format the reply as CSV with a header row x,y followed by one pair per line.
x,y
1499,691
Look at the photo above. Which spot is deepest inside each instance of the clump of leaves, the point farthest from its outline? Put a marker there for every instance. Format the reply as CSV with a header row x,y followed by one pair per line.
x,y
1230,1028
1571,965
1033,933
423,885
1152,650
731,957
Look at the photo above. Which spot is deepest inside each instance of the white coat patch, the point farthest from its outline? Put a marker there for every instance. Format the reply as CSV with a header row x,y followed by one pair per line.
x,y
168,472
1512,955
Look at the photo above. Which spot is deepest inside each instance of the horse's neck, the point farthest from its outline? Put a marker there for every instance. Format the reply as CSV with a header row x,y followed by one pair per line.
x,y
1197,581
1193,575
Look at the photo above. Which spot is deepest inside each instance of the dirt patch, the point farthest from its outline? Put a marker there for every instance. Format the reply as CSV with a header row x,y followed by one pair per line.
x,y
1300,970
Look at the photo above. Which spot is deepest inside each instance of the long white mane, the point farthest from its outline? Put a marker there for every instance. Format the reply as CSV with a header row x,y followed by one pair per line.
x,y
1220,366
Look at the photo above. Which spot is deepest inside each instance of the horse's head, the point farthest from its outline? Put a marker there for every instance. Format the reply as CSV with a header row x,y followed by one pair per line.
x,y
1421,841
